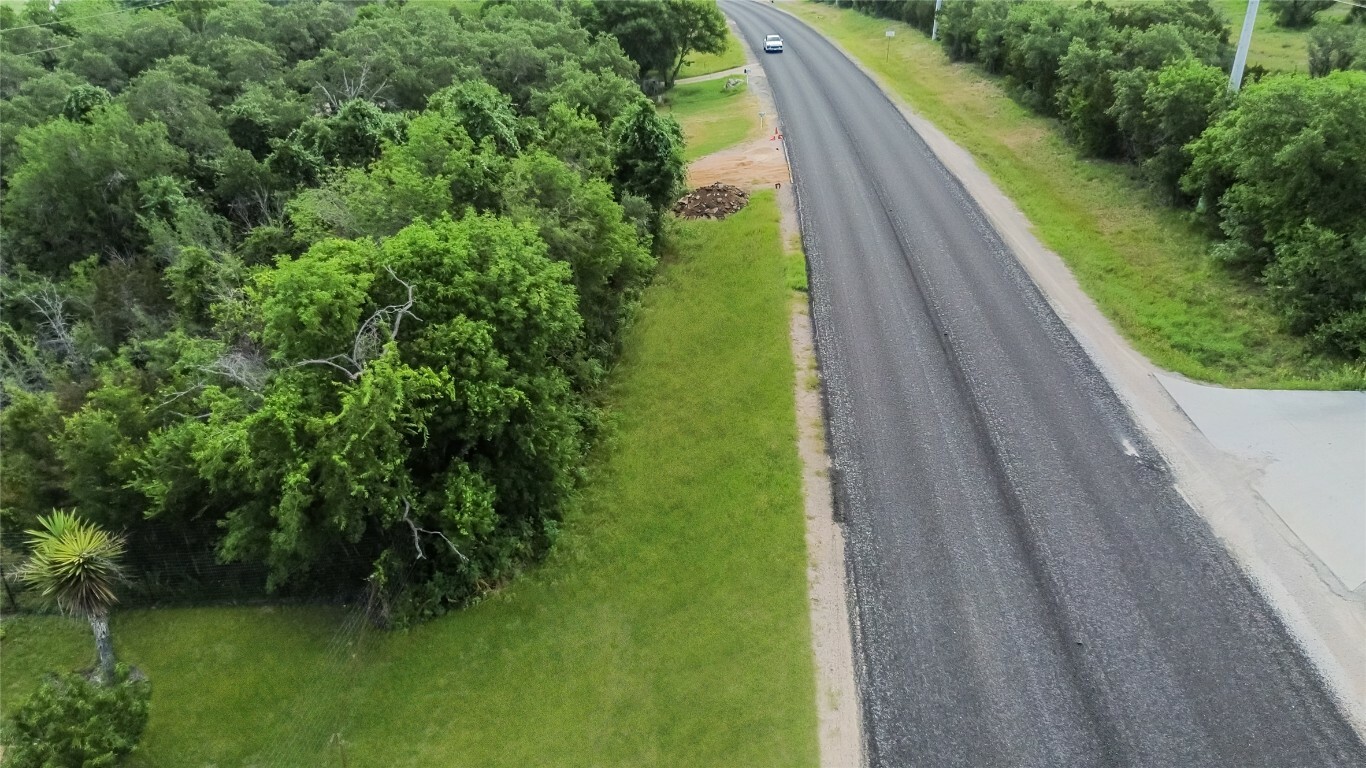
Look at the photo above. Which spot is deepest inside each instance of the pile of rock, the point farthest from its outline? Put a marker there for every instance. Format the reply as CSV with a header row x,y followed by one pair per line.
x,y
714,201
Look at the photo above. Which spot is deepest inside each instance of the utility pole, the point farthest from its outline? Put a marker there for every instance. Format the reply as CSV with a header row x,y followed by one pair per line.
x,y
1235,78
934,29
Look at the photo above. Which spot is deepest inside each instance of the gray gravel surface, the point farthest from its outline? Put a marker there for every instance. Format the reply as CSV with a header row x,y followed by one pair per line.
x,y
1029,588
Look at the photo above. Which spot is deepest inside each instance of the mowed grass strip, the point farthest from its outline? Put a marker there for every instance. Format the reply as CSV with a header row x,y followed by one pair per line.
x,y
713,118
1143,263
669,627
706,63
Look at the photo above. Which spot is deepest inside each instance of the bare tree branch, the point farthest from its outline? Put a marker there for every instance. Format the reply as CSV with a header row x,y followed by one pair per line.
x,y
52,306
417,541
352,89
367,336
350,374
182,393
331,100
367,341
242,367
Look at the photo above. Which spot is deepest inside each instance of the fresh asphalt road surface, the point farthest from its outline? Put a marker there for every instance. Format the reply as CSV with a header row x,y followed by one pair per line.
x,y
1030,590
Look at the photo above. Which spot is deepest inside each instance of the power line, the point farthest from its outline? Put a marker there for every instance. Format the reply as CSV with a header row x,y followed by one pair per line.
x,y
89,16
45,50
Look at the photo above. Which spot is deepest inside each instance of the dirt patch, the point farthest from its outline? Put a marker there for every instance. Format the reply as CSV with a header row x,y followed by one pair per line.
x,y
714,201
752,165
760,162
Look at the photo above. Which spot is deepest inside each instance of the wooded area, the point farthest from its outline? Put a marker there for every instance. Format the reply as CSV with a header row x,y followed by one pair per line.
x,y
322,289
1276,171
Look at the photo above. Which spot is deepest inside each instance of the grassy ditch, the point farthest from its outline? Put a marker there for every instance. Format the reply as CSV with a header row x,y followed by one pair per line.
x,y
669,627
713,118
1141,261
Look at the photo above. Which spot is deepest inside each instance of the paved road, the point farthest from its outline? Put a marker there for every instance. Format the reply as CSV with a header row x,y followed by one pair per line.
x,y
1029,588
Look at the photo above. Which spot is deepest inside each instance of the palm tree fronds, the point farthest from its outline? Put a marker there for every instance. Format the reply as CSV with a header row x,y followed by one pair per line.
x,y
74,563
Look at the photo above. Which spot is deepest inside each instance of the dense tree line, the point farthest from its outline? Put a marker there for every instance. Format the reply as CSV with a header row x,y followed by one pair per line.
x,y
1277,169
322,287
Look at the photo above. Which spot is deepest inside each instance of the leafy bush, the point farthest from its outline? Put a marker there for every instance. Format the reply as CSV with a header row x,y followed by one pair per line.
x,y
71,722
1318,279
1159,113
648,152
1298,13
1283,174
1336,46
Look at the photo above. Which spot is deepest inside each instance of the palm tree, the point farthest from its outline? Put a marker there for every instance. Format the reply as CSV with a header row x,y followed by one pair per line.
x,y
75,563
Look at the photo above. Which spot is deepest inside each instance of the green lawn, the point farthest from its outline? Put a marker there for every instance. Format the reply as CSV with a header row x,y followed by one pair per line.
x,y
1143,263
706,63
712,117
1275,47
669,627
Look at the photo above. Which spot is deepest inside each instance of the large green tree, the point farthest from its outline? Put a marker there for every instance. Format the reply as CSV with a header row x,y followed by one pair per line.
x,y
696,27
418,411
1298,13
76,187
185,109
658,35
1336,46
648,154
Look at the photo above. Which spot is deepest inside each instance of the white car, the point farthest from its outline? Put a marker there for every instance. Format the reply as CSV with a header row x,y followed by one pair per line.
x,y
773,44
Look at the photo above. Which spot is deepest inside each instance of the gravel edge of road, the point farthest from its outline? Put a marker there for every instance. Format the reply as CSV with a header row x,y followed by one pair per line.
x,y
1324,620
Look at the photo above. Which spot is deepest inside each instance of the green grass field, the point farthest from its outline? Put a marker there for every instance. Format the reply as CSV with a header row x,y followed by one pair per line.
x,y
669,627
706,63
712,117
1143,263
1274,47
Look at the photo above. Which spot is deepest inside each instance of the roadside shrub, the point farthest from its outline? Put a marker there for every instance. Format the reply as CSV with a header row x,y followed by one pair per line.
x,y
648,153
1283,174
1318,280
1335,46
958,31
1037,37
1159,113
1292,149
1294,14
71,722
1100,83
